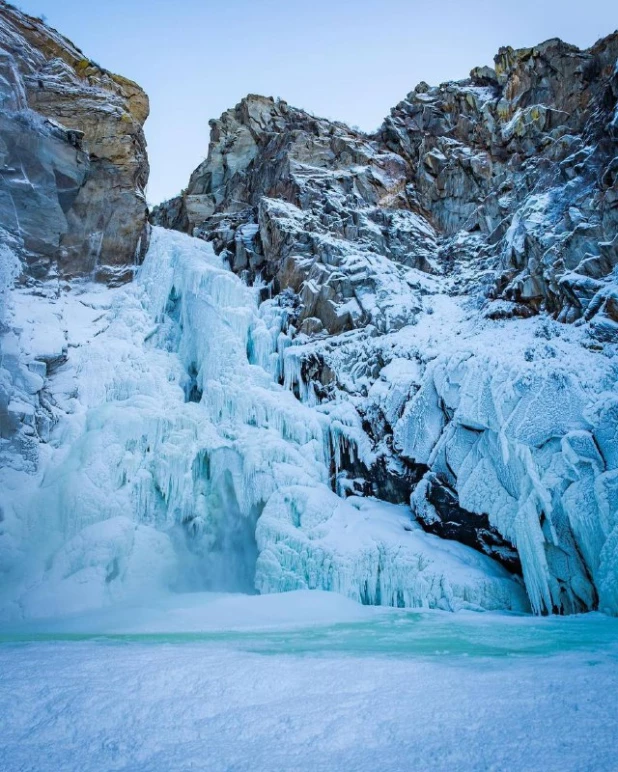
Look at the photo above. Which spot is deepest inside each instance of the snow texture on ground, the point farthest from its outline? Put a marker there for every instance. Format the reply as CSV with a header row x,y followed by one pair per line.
x,y
382,689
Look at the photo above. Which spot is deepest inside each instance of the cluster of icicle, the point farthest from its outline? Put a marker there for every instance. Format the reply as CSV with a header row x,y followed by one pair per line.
x,y
186,463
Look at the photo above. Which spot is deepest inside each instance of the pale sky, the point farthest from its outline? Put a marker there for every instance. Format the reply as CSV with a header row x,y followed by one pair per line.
x,y
349,60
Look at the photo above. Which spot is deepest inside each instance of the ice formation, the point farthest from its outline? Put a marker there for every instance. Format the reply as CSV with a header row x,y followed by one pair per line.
x,y
170,440
519,421
520,447
309,538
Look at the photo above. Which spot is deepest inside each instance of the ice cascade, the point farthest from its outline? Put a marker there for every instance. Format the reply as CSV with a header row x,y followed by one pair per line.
x,y
179,461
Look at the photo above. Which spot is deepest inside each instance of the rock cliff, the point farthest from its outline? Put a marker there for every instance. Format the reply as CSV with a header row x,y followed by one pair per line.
x,y
428,316
73,167
73,156
507,179
453,280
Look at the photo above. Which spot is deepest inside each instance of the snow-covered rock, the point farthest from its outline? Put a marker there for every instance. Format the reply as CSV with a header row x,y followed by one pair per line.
x,y
421,272
376,317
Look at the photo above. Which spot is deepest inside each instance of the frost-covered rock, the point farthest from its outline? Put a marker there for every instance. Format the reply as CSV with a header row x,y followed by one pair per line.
x,y
417,270
526,159
506,179
395,330
517,444
314,207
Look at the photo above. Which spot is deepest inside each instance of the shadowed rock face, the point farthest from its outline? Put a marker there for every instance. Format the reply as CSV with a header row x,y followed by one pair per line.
x,y
524,155
73,156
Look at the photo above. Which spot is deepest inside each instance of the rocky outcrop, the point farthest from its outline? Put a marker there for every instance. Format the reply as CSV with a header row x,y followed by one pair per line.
x,y
73,168
73,156
312,207
424,276
507,178
524,155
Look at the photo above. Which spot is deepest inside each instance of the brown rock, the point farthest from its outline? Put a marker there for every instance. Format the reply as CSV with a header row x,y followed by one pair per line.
x,y
87,210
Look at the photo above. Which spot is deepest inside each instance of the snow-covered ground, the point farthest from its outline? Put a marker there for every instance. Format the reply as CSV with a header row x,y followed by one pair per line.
x,y
307,681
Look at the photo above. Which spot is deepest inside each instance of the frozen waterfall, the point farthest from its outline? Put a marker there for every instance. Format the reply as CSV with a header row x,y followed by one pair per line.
x,y
178,462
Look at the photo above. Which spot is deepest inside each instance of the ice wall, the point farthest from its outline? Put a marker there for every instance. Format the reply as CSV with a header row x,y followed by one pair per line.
x,y
173,439
533,447
371,551
514,420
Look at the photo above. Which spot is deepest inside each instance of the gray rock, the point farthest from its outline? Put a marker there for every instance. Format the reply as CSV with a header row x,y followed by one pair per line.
x,y
304,201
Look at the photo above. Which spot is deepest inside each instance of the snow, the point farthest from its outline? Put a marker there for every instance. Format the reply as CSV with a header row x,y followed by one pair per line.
x,y
103,563
171,613
373,553
173,457
9,266
534,452
346,687
517,417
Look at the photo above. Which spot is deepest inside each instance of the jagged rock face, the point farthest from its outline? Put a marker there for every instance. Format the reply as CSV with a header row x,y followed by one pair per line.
x,y
525,155
73,167
309,204
74,162
507,179
418,271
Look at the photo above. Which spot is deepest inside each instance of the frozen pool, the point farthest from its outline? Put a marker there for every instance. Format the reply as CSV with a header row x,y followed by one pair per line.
x,y
308,681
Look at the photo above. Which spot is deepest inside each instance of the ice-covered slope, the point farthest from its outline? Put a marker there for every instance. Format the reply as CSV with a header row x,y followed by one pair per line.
x,y
511,426
170,435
